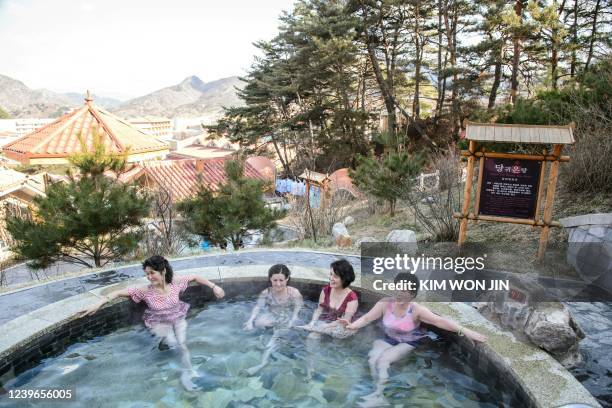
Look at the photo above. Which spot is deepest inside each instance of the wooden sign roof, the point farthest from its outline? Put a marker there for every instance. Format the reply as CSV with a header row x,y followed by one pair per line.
x,y
314,176
511,133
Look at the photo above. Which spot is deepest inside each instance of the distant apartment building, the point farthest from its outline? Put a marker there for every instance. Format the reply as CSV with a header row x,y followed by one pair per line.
x,y
154,126
22,127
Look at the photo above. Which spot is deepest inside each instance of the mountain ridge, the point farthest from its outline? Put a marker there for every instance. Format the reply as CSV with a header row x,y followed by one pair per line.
x,y
191,97
21,101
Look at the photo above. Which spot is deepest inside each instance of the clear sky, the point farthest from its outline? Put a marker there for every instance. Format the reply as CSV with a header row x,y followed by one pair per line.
x,y
127,48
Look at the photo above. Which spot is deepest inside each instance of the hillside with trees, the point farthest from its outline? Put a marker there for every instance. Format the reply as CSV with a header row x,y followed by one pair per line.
x,y
340,72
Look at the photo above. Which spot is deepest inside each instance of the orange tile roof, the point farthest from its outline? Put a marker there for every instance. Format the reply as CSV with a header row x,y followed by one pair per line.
x,y
264,166
340,180
183,176
200,152
60,138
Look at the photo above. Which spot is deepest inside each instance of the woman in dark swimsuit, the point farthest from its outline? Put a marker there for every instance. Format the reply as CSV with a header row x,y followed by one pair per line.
x,y
336,301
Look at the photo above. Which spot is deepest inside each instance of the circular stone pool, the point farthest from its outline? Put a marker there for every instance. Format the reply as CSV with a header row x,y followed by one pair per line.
x,y
124,367
110,358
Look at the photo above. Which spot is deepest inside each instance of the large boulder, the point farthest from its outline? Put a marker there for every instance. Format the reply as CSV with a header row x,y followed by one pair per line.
x,y
548,325
341,236
552,327
405,241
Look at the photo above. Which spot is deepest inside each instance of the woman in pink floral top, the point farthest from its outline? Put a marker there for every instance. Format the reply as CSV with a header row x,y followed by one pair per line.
x,y
165,316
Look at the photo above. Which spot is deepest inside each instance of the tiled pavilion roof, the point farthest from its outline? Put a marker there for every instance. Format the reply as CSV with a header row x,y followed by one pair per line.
x,y
340,180
183,177
264,166
60,138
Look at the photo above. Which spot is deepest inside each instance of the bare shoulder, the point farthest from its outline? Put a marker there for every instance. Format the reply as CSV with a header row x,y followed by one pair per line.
x,y
294,292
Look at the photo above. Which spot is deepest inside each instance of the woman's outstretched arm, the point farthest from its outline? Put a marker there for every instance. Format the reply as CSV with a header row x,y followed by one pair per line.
x,y
217,290
425,315
105,299
374,314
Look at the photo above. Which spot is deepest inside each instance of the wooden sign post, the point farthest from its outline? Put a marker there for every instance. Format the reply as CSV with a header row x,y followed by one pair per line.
x,y
510,186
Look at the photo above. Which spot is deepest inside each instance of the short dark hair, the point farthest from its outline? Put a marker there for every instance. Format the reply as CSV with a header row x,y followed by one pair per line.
x,y
344,270
279,268
159,263
408,277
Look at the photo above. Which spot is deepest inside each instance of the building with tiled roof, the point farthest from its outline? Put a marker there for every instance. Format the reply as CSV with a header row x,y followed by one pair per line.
x,y
183,178
264,166
341,181
17,193
198,151
55,142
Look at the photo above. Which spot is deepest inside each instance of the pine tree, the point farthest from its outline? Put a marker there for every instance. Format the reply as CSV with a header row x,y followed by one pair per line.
x,y
229,213
389,177
91,220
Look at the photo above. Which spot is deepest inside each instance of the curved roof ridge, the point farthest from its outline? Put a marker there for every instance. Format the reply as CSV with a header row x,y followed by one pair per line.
x,y
94,112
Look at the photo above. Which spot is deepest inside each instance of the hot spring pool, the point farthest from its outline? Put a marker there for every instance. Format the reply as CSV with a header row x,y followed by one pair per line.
x,y
125,368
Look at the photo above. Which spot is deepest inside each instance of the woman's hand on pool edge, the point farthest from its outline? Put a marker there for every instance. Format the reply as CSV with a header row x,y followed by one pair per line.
x,y
88,311
475,336
219,292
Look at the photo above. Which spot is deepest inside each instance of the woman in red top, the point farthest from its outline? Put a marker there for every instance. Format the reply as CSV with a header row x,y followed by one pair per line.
x,y
336,301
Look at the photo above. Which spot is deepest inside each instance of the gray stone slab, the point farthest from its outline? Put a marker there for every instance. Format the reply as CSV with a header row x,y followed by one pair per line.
x,y
587,219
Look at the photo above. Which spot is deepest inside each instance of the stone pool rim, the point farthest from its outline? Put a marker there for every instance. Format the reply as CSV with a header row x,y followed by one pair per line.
x,y
542,380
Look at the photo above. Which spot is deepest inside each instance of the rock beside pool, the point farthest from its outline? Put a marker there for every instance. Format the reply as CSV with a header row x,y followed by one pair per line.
x,y
341,236
548,325
364,239
405,240
348,220
552,327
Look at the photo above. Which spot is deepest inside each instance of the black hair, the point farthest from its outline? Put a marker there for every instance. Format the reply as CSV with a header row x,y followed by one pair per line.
x,y
408,277
279,268
159,263
344,270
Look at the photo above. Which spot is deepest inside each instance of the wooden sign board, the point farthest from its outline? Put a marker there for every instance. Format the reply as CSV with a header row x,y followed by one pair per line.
x,y
509,188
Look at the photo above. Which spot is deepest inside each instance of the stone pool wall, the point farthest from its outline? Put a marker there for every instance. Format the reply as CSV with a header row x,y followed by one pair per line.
x,y
533,377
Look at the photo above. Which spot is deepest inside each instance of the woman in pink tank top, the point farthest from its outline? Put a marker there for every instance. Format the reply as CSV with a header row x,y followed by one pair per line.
x,y
401,318
165,315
